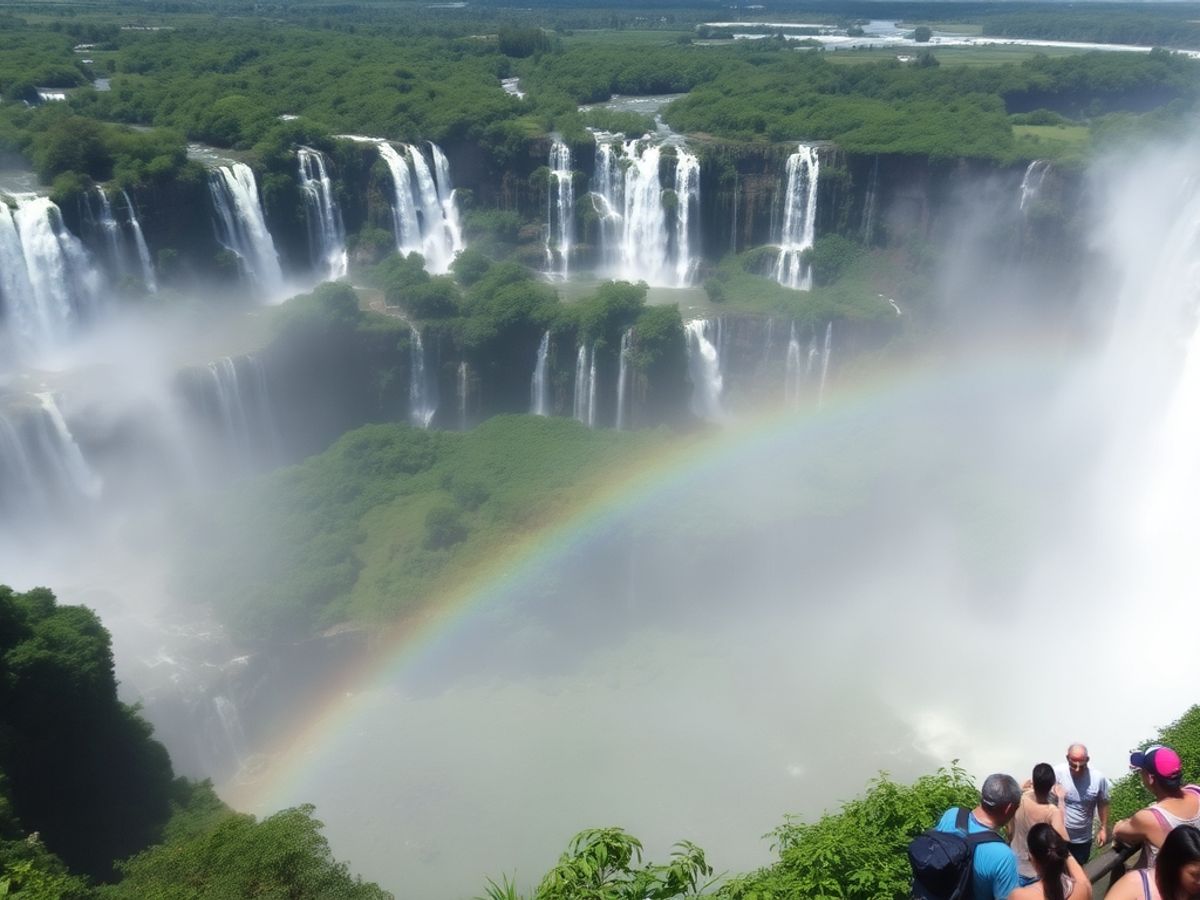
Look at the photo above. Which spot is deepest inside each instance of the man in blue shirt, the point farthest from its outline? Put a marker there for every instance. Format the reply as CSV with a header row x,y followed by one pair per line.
x,y
995,875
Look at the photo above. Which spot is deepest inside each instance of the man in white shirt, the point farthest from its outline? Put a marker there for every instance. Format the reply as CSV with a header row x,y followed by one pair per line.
x,y
1086,795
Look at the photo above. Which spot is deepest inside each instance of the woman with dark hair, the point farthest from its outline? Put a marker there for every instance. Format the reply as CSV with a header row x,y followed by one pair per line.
x,y
1042,804
1060,877
1175,876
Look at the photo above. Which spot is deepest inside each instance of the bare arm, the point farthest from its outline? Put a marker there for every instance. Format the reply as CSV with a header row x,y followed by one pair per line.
x,y
1134,830
1083,887
1102,811
1058,823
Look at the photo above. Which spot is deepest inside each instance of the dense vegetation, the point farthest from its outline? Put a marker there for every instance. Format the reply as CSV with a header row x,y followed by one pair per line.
x,y
854,853
83,785
391,517
928,110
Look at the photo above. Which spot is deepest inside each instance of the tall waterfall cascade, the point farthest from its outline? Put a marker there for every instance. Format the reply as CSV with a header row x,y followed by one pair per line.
x,y
704,368
793,372
462,391
799,218
560,211
110,231
826,355
585,385
242,228
241,402
646,230
41,462
65,452
123,244
623,383
422,385
539,388
139,241
326,233
48,282
424,210
1031,182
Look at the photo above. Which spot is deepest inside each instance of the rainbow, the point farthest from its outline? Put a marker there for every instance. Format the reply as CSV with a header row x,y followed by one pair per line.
x,y
298,756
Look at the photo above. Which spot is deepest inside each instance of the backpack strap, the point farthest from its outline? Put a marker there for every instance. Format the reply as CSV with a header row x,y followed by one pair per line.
x,y
973,838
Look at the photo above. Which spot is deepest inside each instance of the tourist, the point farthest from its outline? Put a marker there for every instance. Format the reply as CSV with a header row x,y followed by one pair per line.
x,y
1175,877
1174,804
1042,804
995,867
1059,875
1086,798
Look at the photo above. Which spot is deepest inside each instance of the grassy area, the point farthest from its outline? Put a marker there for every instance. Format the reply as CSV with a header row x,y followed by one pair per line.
x,y
992,55
390,518
1052,141
628,37
860,293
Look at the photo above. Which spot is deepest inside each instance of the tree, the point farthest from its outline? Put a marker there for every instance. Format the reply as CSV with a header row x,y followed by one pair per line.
x,y
857,853
444,528
284,855
922,34
82,768
606,864
72,144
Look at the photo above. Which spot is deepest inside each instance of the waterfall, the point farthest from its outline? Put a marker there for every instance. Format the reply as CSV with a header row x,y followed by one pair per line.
x,y
143,251
47,281
405,224
64,452
18,482
326,234
623,380
704,369
110,233
231,409
592,385
1031,183
241,402
424,221
539,392
231,728
793,374
799,218
582,384
825,357
871,204
560,211
436,242
687,196
446,197
641,242
242,229
462,389
422,388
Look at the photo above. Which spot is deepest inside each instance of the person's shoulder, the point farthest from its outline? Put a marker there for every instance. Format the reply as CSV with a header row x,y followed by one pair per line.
x,y
1129,887
946,820
994,856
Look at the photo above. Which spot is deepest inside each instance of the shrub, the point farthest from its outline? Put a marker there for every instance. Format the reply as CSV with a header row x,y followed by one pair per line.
x,y
444,528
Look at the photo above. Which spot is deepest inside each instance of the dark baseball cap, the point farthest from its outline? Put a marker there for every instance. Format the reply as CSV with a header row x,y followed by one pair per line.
x,y
1159,760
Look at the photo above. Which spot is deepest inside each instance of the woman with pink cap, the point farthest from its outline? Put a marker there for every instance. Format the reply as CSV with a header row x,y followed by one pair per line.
x,y
1174,804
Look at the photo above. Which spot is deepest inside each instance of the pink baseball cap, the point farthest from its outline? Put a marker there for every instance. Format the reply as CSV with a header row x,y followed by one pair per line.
x,y
1158,760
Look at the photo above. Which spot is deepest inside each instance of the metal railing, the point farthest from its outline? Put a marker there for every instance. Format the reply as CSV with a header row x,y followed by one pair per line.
x,y
1105,868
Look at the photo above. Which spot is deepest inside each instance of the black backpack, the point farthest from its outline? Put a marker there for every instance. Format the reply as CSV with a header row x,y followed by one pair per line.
x,y
944,861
